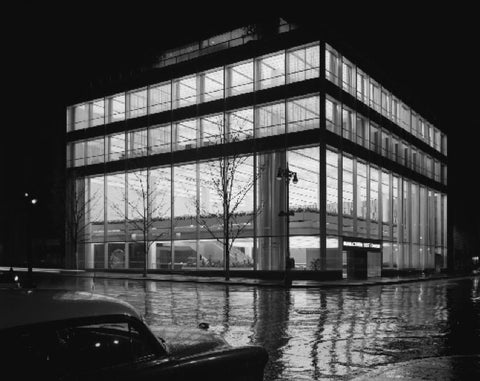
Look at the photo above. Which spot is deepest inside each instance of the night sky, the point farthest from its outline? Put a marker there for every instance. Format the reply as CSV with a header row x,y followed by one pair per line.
x,y
51,54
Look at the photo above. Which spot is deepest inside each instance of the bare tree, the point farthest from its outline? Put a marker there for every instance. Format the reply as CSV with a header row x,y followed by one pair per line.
x,y
78,220
231,190
145,202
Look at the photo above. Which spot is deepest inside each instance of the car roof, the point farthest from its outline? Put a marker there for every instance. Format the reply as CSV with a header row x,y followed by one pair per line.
x,y
30,306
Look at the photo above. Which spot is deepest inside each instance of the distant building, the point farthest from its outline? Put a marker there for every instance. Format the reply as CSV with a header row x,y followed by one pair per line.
x,y
371,195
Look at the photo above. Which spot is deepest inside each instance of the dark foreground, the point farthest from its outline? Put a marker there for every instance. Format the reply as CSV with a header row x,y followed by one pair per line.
x,y
413,330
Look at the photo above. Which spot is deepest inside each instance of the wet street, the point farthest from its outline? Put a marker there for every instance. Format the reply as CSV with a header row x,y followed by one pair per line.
x,y
311,333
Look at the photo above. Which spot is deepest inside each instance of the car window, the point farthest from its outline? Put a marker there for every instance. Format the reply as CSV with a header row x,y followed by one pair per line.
x,y
78,348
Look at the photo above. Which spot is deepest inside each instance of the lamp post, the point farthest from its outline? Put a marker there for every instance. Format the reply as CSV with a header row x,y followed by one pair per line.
x,y
30,202
287,175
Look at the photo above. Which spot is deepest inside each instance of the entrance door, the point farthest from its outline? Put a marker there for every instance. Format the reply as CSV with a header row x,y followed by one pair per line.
x,y
374,264
356,264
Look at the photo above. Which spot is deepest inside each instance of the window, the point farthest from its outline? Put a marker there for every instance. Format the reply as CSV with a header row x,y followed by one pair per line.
x,y
405,117
348,124
160,98
116,108
332,114
303,114
97,112
95,151
159,139
185,135
270,120
374,183
348,75
211,130
271,71
347,202
78,154
362,131
137,103
362,86
303,63
240,78
137,143
375,143
374,95
212,85
80,116
116,146
185,91
240,124
332,182
332,65
361,190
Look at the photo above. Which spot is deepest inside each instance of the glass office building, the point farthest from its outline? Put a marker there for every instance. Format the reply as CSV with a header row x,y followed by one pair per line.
x,y
146,157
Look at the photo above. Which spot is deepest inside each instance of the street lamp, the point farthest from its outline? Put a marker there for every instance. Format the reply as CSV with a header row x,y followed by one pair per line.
x,y
30,203
287,175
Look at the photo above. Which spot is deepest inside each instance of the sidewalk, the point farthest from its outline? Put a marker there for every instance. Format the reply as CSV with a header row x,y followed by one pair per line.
x,y
239,280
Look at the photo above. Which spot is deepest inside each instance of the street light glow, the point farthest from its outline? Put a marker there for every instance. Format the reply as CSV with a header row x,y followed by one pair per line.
x,y
34,201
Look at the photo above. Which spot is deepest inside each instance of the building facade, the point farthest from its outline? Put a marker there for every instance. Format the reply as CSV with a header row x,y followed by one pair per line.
x,y
279,136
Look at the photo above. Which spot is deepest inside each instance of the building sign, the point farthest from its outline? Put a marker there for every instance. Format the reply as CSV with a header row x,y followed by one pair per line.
x,y
349,243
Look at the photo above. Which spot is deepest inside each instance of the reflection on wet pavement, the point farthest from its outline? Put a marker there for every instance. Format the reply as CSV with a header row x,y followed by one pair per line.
x,y
310,333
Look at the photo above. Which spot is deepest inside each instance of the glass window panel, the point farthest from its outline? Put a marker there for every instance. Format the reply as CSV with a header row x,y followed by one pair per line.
x,y
405,117
270,120
211,130
137,103
348,75
362,131
137,208
185,135
116,199
374,95
95,151
415,213
375,142
386,203
361,191
185,196
348,124
185,91
240,124
332,114
160,203
303,63
160,97
386,149
303,114
271,71
374,183
137,143
362,87
332,191
240,78
347,186
116,146
396,197
116,108
332,65
97,109
212,82
304,195
80,116
79,154
159,139
95,208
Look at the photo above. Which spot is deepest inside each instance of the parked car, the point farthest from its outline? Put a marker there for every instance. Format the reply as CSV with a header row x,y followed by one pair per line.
x,y
71,335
